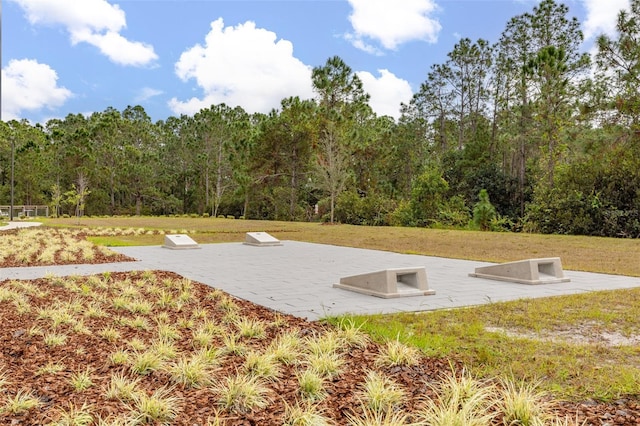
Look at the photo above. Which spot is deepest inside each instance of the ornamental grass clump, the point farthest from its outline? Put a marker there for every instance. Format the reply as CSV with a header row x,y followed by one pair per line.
x,y
242,393
327,343
19,403
461,401
311,384
122,388
327,365
379,393
352,334
144,363
49,368
286,347
250,328
394,353
191,372
159,407
81,380
304,414
371,417
54,339
522,403
4,380
73,416
262,365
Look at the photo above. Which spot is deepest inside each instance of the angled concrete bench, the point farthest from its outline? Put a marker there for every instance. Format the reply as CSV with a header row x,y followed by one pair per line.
x,y
261,239
179,242
529,271
389,283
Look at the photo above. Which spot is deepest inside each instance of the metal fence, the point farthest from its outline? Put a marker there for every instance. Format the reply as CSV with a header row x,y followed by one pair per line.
x,y
24,211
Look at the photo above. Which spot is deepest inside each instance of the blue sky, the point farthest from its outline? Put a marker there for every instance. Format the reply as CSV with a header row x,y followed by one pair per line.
x,y
177,56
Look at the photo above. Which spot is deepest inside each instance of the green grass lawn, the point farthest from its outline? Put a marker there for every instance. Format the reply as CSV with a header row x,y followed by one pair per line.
x,y
578,347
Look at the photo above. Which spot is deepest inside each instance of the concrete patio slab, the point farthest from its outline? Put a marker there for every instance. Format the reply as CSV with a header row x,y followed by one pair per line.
x,y
297,278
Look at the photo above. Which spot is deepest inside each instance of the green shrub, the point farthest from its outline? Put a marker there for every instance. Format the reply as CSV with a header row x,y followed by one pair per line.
x,y
483,212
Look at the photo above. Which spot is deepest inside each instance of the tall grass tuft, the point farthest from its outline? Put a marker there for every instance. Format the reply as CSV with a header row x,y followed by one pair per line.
x,y
522,403
159,407
379,393
461,401
242,393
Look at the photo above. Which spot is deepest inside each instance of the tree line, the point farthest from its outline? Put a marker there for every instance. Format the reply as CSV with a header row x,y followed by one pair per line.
x,y
527,134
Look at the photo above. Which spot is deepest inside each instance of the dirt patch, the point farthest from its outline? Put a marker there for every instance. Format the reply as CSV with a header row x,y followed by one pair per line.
x,y
586,334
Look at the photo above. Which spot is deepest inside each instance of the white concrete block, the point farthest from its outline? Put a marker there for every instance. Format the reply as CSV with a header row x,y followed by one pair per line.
x,y
261,239
529,271
389,283
179,241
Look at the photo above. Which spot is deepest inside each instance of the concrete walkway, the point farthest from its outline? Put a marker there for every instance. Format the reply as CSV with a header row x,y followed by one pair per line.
x,y
297,278
14,225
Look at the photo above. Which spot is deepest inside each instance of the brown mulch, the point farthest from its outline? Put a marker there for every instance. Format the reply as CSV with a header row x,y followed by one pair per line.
x,y
99,256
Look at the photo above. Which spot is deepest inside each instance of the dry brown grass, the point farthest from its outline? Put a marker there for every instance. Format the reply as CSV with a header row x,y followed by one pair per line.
x,y
593,254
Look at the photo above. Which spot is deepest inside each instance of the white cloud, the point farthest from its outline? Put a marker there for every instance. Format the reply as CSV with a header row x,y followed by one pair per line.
x,y
29,85
95,22
602,16
242,66
392,23
147,93
387,92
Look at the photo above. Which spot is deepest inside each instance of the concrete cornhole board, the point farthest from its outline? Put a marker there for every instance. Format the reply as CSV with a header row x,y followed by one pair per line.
x,y
389,283
529,271
179,242
261,239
